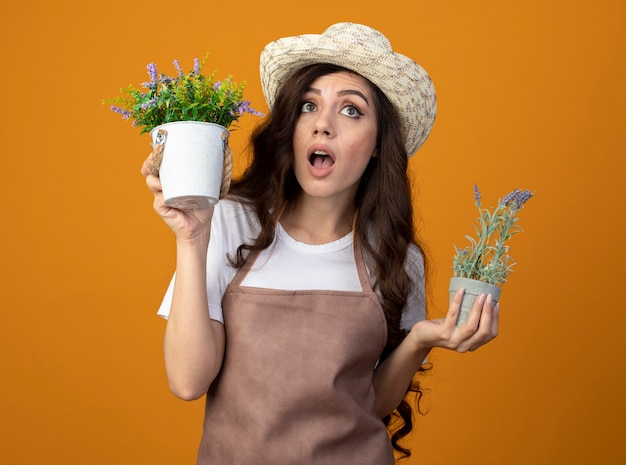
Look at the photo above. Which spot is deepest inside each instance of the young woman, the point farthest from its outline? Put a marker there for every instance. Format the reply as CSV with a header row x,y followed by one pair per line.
x,y
298,302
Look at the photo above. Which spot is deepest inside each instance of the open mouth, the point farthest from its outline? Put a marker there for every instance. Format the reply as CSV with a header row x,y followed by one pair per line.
x,y
321,159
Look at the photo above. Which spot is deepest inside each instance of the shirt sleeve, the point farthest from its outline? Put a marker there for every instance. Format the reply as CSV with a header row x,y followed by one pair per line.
x,y
415,309
166,303
215,310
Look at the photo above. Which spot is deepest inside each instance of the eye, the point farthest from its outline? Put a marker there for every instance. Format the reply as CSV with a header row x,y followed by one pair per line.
x,y
351,111
308,107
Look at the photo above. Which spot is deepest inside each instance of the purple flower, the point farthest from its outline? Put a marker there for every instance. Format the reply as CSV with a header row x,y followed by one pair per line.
x,y
178,68
152,72
166,80
244,107
196,66
217,85
477,195
508,198
149,104
120,111
517,198
523,197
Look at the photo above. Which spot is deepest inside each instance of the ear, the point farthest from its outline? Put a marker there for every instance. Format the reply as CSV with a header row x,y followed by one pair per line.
x,y
375,153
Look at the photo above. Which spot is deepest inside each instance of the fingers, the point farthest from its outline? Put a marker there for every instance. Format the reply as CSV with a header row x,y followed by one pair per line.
x,y
152,177
147,165
154,184
152,164
495,322
480,327
487,327
475,314
455,306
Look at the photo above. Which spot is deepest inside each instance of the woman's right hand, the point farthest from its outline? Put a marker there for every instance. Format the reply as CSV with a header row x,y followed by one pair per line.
x,y
188,225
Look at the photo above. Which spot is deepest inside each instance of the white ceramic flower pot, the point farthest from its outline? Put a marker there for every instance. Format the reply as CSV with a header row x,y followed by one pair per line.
x,y
193,160
473,289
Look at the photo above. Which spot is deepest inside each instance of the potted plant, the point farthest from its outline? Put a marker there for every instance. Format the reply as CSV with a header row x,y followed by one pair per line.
x,y
484,265
188,117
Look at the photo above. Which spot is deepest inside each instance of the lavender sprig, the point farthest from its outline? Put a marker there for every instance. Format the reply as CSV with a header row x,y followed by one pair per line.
x,y
179,70
120,111
477,196
517,198
153,74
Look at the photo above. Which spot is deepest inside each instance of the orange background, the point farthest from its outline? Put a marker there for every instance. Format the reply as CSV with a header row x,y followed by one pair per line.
x,y
531,94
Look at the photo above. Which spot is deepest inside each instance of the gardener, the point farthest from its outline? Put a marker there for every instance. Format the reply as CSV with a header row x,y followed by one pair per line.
x,y
298,302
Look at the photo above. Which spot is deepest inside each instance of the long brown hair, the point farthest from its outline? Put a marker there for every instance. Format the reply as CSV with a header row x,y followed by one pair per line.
x,y
384,218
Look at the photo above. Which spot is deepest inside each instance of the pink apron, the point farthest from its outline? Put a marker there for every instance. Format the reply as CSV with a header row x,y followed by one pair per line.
x,y
296,387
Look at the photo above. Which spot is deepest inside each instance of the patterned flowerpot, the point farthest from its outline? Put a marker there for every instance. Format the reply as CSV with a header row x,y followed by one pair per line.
x,y
193,162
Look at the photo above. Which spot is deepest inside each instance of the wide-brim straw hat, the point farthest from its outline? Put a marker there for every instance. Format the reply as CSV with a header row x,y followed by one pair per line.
x,y
367,52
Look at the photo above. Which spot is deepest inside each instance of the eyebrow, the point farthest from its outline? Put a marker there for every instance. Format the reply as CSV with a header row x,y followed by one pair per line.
x,y
341,93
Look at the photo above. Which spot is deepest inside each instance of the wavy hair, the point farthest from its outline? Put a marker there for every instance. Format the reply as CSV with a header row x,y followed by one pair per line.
x,y
384,219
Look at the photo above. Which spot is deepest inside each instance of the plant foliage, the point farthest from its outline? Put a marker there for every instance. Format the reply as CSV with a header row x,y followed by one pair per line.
x,y
487,257
189,96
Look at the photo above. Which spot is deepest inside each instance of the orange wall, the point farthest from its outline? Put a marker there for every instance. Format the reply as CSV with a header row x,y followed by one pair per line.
x,y
531,94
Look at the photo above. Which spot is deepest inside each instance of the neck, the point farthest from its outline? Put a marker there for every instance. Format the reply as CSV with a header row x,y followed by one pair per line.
x,y
317,221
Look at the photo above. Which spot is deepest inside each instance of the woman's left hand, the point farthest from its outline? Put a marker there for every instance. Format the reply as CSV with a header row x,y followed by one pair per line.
x,y
481,326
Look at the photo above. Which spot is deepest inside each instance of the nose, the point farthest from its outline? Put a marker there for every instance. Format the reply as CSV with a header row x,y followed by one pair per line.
x,y
322,125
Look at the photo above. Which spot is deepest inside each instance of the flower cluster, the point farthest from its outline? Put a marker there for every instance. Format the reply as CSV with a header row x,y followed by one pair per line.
x,y
185,97
487,257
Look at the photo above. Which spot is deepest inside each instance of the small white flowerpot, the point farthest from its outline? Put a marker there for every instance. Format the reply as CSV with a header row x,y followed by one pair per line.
x,y
193,161
473,289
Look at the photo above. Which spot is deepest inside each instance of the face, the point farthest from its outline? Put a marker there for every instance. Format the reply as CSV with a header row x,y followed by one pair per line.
x,y
335,136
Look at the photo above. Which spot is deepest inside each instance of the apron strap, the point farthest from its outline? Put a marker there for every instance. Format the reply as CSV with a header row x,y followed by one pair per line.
x,y
361,269
247,266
